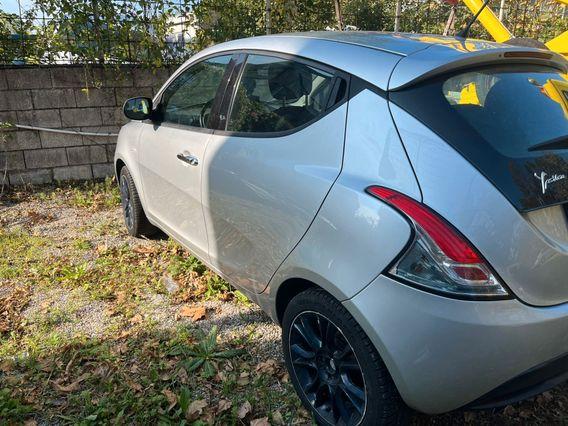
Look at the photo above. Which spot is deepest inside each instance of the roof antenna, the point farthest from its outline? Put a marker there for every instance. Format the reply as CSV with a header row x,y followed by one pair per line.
x,y
465,32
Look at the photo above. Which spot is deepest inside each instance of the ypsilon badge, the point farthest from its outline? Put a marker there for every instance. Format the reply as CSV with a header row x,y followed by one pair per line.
x,y
544,181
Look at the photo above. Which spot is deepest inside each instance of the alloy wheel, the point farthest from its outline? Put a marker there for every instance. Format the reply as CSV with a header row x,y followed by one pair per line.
x,y
327,369
126,202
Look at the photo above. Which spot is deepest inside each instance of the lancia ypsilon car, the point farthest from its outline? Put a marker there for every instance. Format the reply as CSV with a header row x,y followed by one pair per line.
x,y
397,203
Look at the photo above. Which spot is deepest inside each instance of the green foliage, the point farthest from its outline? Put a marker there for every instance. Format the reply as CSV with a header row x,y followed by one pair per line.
x,y
11,408
118,32
204,355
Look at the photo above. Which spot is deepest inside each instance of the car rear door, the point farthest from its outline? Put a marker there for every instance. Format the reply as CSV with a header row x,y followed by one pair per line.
x,y
172,147
270,166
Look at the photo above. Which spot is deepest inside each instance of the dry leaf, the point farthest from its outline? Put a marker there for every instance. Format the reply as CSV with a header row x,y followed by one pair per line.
x,y
72,387
171,397
263,421
277,418
224,405
243,379
244,410
267,367
195,409
196,313
30,422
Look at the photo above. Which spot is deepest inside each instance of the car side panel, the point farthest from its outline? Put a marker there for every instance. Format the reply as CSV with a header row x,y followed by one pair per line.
x,y
355,236
260,195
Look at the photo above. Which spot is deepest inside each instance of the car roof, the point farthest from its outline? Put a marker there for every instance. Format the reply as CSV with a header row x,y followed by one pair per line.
x,y
402,44
390,61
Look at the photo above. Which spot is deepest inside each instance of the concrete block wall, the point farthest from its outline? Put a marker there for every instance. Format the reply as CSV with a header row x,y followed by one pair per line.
x,y
68,97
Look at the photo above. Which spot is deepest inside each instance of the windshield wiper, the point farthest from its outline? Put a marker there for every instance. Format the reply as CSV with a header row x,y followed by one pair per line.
x,y
556,143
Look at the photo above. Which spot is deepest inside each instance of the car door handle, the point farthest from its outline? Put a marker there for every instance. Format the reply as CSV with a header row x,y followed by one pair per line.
x,y
189,159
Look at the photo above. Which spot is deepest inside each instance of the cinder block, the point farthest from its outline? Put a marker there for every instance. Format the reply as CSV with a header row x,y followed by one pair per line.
x,y
40,158
99,140
156,77
28,78
43,118
86,154
11,160
122,94
72,173
90,97
112,116
73,117
3,82
54,98
22,140
78,77
112,77
30,177
15,100
8,117
54,140
110,151
102,170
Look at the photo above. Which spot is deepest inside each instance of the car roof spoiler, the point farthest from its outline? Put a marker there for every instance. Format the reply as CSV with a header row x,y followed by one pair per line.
x,y
442,58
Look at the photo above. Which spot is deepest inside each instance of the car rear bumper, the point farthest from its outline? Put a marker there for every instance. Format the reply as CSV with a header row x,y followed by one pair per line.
x,y
445,353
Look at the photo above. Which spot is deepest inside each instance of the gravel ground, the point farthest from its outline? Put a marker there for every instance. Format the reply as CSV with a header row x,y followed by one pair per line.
x,y
75,312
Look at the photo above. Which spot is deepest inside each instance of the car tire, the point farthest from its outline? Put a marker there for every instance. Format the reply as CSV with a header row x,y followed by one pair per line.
x,y
341,378
135,219
526,42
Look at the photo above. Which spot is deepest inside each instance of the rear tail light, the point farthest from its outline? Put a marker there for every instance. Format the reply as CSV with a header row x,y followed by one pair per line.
x,y
439,258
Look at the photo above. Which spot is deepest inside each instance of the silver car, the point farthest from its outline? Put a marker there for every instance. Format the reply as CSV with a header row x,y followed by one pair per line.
x,y
398,203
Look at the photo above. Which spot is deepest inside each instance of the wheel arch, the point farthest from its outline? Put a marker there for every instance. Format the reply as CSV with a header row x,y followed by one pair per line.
x,y
118,165
287,291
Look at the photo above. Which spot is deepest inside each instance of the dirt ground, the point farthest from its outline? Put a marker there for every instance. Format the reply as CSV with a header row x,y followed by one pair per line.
x,y
98,327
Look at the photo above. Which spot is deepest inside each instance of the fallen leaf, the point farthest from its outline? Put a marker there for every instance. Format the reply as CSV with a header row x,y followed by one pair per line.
x,y
267,367
277,418
195,409
171,397
137,319
224,405
196,313
243,379
244,410
183,376
134,386
263,421
72,387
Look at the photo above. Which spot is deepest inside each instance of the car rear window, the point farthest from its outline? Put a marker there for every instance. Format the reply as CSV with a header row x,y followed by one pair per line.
x,y
512,109
509,121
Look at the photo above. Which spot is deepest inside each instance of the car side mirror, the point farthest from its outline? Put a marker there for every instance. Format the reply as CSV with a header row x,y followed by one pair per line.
x,y
138,108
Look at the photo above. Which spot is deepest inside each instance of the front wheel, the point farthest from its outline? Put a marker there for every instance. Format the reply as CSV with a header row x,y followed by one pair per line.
x,y
334,367
135,219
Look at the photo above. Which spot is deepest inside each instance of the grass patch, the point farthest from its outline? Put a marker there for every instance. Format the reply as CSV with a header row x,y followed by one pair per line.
x,y
19,250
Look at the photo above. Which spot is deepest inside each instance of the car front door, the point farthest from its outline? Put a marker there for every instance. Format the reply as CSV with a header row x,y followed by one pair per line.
x,y
267,173
172,147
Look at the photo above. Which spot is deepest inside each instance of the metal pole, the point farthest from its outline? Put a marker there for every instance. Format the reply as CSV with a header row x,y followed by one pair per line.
x,y
267,17
450,22
502,10
397,15
338,15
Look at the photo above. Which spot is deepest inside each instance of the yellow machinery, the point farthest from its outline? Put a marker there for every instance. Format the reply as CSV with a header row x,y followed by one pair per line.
x,y
501,34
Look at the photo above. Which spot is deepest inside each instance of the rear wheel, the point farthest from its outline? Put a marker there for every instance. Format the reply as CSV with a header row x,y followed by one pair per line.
x,y
135,219
333,365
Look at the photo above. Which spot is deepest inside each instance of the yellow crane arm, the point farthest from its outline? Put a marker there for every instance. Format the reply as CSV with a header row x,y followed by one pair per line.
x,y
490,21
500,33
559,44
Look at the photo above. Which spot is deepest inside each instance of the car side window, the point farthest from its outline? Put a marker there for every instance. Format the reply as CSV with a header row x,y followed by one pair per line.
x,y
276,94
189,98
